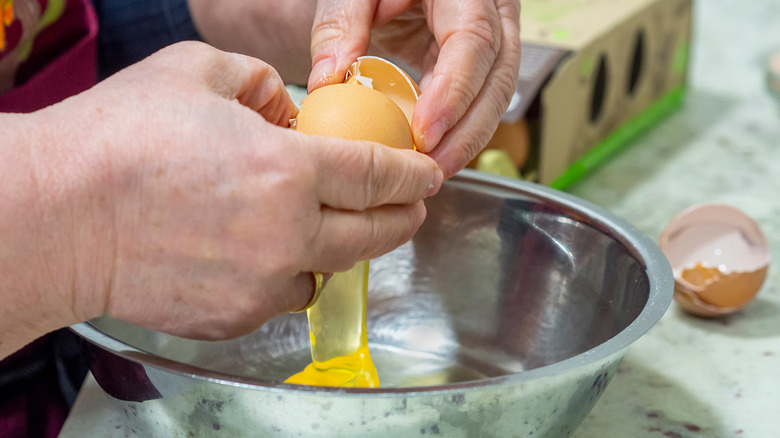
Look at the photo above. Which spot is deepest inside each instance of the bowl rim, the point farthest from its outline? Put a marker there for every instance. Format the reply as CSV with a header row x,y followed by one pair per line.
x,y
657,268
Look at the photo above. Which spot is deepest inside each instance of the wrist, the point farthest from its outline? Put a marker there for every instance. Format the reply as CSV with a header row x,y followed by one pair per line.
x,y
31,306
71,158
46,281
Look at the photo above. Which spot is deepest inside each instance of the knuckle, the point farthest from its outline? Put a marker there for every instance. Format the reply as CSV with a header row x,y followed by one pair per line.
x,y
328,28
190,60
374,236
474,143
504,83
487,33
366,167
416,178
402,176
464,92
300,168
415,215
191,51
510,9
399,228
374,176
419,213
262,72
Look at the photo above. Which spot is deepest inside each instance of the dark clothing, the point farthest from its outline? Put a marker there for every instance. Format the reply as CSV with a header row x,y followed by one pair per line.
x,y
38,385
133,30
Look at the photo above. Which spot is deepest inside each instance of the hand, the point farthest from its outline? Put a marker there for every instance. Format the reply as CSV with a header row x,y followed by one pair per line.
x,y
278,32
173,196
467,51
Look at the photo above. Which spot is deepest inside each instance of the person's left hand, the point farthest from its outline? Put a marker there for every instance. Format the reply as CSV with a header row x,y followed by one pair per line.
x,y
468,52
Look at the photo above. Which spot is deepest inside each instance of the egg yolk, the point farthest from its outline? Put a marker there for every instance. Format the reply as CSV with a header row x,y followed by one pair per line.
x,y
355,371
337,330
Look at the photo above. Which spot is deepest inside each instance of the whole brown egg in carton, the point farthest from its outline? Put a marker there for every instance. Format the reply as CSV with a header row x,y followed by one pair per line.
x,y
719,256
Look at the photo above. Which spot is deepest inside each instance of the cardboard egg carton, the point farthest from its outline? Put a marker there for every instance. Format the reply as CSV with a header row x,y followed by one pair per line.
x,y
595,74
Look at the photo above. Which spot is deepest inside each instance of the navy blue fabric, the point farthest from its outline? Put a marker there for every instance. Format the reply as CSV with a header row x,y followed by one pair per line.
x,y
131,30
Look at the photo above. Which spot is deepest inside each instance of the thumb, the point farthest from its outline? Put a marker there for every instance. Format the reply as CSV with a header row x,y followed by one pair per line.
x,y
251,82
259,87
340,34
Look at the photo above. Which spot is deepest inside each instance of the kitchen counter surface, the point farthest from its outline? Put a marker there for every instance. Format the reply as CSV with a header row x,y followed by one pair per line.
x,y
688,377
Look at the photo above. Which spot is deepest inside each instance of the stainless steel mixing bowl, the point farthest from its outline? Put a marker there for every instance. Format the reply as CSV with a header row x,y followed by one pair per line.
x,y
506,315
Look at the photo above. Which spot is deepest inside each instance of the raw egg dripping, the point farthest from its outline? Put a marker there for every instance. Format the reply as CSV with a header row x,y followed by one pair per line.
x,y
375,103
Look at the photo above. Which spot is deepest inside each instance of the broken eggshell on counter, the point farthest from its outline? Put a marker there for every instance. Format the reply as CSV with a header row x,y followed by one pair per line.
x,y
719,256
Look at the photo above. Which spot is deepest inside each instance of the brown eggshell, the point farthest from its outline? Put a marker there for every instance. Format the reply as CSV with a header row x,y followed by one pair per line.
x,y
354,112
385,77
375,103
719,256
512,138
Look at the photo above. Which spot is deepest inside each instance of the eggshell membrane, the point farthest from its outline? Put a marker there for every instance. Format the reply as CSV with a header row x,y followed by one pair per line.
x,y
719,256
354,112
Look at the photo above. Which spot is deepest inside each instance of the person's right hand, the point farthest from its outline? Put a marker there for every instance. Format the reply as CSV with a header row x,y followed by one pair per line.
x,y
173,196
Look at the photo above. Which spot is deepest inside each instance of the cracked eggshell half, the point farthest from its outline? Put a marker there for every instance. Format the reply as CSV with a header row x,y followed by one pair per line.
x,y
719,256
375,103
388,79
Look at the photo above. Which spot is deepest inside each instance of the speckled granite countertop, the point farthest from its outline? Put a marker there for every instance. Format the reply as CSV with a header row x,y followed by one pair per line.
x,y
691,377
688,377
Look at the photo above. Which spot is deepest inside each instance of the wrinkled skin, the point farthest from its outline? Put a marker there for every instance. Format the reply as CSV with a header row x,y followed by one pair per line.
x,y
173,196
468,54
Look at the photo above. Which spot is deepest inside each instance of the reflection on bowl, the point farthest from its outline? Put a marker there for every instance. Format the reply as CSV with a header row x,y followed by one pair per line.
x,y
507,314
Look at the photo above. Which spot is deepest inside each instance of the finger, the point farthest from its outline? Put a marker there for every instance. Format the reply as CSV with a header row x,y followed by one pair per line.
x,y
250,81
301,291
259,87
469,136
356,175
345,237
340,34
469,37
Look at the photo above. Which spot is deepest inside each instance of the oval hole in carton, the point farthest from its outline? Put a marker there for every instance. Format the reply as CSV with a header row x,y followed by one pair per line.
x,y
637,63
599,89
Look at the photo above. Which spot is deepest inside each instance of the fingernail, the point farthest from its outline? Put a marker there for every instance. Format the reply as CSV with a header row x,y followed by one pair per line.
x,y
321,72
436,182
433,134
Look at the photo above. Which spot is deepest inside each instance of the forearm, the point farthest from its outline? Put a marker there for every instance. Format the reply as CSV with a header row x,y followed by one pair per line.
x,y
39,263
